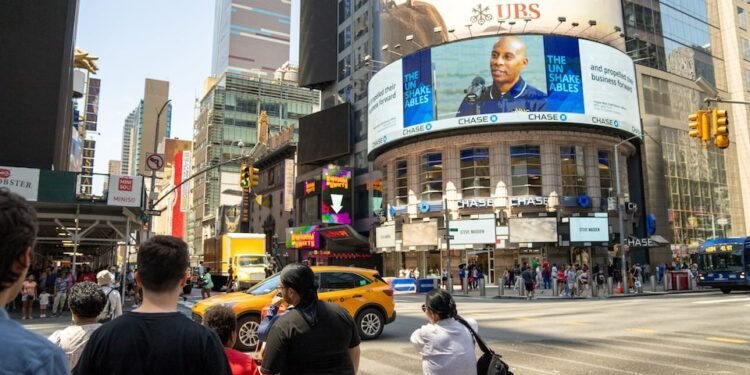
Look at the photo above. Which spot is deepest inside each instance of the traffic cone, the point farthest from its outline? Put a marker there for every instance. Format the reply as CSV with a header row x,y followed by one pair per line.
x,y
619,287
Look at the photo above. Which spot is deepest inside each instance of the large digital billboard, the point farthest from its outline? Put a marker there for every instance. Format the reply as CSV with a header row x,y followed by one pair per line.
x,y
589,229
508,79
431,22
336,202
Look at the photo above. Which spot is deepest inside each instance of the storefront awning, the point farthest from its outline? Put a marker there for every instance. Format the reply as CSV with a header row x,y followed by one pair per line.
x,y
344,235
653,241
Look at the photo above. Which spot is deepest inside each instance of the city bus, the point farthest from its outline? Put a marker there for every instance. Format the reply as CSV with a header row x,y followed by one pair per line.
x,y
724,263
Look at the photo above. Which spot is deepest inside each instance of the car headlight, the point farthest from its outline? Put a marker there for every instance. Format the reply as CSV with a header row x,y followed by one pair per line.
x,y
243,275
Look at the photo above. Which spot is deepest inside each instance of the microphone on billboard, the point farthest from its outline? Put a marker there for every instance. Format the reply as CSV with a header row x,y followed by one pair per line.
x,y
475,90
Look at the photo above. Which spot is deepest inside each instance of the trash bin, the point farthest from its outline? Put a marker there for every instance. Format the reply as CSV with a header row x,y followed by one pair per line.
x,y
679,280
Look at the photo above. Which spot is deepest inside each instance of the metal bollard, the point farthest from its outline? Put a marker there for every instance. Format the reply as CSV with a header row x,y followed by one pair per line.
x,y
653,283
610,285
482,290
450,284
594,287
555,292
436,284
521,289
500,286
465,286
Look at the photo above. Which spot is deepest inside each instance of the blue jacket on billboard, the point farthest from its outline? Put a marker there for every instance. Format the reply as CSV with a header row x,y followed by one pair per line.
x,y
522,97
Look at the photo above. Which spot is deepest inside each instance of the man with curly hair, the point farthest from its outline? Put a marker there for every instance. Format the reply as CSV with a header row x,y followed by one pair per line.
x,y
23,352
86,301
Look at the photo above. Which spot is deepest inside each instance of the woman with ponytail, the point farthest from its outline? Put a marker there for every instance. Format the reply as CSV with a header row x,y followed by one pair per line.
x,y
446,345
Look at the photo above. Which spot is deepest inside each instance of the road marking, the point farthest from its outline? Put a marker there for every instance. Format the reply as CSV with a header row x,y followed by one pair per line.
x,y
723,300
577,323
643,330
526,318
727,340
580,363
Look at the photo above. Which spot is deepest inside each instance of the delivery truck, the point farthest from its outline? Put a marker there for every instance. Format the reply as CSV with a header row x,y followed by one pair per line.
x,y
245,252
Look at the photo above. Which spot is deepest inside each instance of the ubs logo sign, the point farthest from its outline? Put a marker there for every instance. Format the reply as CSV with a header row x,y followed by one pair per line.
x,y
482,14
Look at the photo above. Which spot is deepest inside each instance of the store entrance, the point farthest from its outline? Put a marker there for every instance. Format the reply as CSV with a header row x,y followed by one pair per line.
x,y
485,261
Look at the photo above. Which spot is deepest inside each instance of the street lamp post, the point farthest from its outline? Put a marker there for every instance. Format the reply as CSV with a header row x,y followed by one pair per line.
x,y
152,192
620,208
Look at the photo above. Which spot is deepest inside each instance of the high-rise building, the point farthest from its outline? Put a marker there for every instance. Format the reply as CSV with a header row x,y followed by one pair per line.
x,y
250,36
406,163
694,193
227,127
155,96
129,137
115,167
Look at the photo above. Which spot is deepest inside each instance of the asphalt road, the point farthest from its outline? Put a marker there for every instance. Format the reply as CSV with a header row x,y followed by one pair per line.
x,y
704,333
707,333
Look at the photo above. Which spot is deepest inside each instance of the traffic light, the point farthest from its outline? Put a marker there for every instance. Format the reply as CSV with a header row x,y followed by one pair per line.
x,y
245,176
720,124
254,177
699,125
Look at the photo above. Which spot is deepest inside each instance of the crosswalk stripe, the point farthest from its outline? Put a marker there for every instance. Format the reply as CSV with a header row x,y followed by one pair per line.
x,y
727,340
723,300
642,330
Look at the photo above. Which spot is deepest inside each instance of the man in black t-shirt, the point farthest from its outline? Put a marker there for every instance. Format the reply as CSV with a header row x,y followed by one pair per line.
x,y
155,338
314,337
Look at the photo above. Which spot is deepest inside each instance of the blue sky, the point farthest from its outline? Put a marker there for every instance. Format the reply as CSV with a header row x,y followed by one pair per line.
x,y
137,39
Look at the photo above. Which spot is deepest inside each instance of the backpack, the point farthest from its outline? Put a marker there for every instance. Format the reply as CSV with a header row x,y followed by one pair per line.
x,y
490,363
106,314
600,279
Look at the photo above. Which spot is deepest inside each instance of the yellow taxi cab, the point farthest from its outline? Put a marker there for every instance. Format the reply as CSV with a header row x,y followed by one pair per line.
x,y
361,292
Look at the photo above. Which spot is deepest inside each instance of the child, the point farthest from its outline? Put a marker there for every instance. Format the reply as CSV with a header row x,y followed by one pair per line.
x,y
43,303
86,301
221,319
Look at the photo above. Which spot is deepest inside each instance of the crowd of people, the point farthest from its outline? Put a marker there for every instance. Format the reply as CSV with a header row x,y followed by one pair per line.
x,y
310,337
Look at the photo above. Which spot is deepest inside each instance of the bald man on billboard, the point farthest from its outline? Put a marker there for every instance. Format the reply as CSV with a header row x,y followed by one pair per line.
x,y
508,92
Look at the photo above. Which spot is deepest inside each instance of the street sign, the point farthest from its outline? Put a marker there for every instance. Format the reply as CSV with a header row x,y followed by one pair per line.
x,y
722,221
454,229
152,212
448,237
155,162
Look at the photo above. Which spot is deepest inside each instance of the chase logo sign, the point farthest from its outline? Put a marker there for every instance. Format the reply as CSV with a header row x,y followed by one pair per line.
x,y
605,121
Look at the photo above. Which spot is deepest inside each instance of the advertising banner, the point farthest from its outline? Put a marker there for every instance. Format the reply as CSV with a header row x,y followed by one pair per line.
x,y
420,234
22,181
303,237
493,81
533,229
185,174
472,232
589,229
336,205
431,22
125,191
289,185
385,236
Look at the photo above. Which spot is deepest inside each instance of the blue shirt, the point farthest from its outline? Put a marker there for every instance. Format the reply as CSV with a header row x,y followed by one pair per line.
x,y
25,352
522,97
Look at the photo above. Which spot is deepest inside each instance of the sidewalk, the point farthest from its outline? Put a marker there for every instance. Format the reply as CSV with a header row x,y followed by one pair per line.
x,y
546,294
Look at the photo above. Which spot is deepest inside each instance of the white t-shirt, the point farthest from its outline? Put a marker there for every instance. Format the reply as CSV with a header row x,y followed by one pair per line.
x,y
44,298
72,340
447,347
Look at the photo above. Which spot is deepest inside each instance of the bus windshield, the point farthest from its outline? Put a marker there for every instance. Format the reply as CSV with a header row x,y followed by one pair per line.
x,y
720,262
251,260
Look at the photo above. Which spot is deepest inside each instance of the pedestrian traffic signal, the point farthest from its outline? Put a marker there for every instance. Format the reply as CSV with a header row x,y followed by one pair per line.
x,y
699,125
720,124
245,172
254,177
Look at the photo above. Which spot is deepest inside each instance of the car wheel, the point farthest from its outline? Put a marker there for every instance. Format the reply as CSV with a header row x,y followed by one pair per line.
x,y
370,324
247,333
726,290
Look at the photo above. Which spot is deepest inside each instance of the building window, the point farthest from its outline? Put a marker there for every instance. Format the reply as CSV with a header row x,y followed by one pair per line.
x,y
572,171
345,10
345,38
475,172
526,169
402,187
745,48
605,175
747,79
741,20
431,177
345,67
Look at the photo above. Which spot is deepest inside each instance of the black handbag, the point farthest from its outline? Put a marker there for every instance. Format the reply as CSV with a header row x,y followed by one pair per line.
x,y
490,363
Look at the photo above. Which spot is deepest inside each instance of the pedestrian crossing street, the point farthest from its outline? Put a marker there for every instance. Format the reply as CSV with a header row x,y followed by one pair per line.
x,y
685,334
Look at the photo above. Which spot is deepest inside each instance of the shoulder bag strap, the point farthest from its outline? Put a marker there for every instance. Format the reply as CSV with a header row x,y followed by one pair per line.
x,y
479,340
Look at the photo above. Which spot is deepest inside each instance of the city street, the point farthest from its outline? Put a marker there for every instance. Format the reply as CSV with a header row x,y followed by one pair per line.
x,y
687,334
